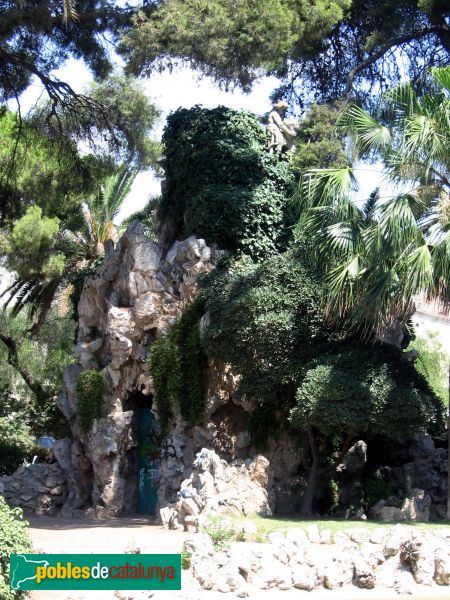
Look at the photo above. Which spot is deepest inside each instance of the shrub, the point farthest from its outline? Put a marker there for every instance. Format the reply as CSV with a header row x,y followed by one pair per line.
x,y
14,539
221,184
16,444
221,536
90,390
354,390
187,336
432,363
186,558
266,321
361,388
377,488
333,493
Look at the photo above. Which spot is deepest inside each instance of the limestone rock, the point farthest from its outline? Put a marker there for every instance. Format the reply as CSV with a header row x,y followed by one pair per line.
x,y
396,537
218,487
417,506
298,537
313,534
304,577
442,566
39,488
132,548
338,572
135,296
364,575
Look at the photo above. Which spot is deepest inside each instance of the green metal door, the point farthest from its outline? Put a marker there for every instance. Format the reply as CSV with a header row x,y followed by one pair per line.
x,y
149,463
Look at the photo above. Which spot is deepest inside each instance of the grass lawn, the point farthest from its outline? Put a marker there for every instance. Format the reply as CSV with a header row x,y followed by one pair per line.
x,y
267,524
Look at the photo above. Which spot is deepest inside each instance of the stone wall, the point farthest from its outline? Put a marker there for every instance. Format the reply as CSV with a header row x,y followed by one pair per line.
x,y
417,471
38,488
135,296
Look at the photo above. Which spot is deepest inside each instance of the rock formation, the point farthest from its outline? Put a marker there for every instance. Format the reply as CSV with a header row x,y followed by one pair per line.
x,y
397,558
216,487
39,488
135,296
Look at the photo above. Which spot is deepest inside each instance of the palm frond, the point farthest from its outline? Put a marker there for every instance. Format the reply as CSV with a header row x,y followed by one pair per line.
x,y
368,134
369,207
440,255
442,76
320,186
419,266
340,288
104,206
404,101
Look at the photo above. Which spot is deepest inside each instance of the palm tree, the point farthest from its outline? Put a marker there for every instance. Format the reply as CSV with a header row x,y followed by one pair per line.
x,y
101,209
80,250
380,256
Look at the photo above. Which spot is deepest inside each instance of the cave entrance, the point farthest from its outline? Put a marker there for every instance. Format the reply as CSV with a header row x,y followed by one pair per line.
x,y
149,462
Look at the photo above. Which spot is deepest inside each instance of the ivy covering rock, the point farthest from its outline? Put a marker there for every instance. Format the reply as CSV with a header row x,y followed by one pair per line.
x,y
90,389
221,184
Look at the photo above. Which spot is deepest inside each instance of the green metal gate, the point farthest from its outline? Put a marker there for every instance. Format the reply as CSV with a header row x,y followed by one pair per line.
x,y
149,463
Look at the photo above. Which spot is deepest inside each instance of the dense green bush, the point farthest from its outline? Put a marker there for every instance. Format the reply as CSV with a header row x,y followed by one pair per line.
x,y
44,356
146,216
377,488
432,363
221,184
358,389
319,146
16,444
14,539
176,366
265,320
90,391
362,388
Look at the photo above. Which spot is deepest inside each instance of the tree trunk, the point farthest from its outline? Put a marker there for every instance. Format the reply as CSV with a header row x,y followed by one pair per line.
x,y
41,393
443,33
318,470
313,478
308,496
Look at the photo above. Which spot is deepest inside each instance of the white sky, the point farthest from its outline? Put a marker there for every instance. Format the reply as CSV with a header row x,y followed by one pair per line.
x,y
184,87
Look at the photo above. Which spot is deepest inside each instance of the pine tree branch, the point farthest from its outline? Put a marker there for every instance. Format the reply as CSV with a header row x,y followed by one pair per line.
x,y
439,30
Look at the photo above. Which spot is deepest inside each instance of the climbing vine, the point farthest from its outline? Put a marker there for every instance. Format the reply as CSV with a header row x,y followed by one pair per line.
x,y
90,390
221,184
176,365
165,367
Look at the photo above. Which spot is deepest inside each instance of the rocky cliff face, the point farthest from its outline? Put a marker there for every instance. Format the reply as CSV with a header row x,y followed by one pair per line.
x,y
134,297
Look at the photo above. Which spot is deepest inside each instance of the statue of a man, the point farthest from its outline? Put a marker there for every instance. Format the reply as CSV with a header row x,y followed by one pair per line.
x,y
281,134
